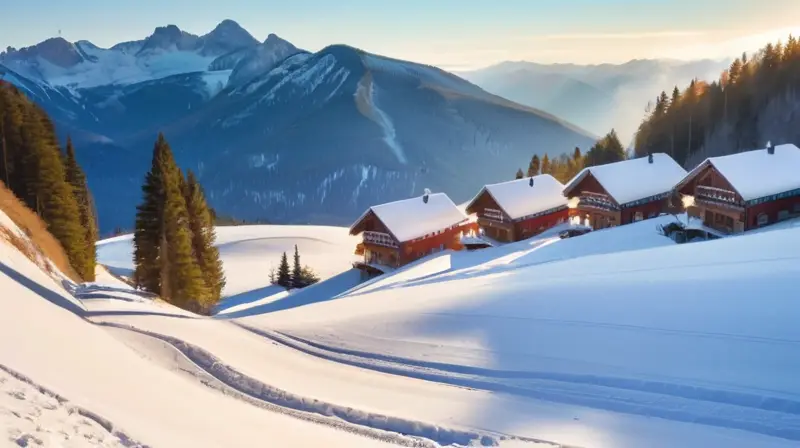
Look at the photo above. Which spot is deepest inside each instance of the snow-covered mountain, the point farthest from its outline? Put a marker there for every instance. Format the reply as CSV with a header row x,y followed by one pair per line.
x,y
277,132
168,51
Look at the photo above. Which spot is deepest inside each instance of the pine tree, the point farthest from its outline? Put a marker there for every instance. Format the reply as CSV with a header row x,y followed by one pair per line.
x,y
519,174
203,239
534,166
80,188
284,273
546,169
308,276
163,252
46,190
297,270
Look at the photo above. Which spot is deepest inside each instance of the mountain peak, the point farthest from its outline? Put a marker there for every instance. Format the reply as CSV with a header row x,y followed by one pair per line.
x,y
226,37
56,50
167,37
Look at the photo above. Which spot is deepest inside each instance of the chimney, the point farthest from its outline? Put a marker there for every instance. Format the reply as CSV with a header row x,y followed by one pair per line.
x,y
426,196
770,148
650,158
531,182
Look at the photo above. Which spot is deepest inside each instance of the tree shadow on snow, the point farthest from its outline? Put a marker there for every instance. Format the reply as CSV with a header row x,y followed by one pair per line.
x,y
330,289
48,294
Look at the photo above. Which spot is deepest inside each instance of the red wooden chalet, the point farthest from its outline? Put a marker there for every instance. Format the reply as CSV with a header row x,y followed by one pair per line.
x,y
623,192
398,233
744,191
519,209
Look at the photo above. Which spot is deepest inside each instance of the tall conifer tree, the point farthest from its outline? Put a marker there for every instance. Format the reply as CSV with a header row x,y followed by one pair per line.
x,y
203,239
80,188
163,254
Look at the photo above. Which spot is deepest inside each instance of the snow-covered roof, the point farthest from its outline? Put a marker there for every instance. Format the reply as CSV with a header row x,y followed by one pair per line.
x,y
634,179
519,199
409,219
757,174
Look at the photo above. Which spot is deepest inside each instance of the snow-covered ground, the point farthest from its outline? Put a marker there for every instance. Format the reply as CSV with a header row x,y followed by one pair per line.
x,y
618,338
249,253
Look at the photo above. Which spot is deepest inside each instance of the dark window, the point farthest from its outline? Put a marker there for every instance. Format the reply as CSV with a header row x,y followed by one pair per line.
x,y
709,217
729,222
762,219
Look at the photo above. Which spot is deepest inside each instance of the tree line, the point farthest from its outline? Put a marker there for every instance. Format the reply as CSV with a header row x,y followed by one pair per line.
x,y
679,123
173,239
567,165
46,178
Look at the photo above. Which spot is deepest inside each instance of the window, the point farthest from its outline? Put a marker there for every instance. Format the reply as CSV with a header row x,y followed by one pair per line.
x,y
762,220
638,216
729,222
651,215
709,217
797,207
783,215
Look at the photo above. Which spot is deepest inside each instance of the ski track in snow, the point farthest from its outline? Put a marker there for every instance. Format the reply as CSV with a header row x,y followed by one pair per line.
x,y
773,416
33,415
212,372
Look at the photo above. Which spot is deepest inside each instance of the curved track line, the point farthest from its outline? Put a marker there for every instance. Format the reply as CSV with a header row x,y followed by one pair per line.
x,y
389,429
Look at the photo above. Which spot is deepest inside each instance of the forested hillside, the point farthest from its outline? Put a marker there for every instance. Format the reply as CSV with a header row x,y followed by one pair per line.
x,y
755,101
48,181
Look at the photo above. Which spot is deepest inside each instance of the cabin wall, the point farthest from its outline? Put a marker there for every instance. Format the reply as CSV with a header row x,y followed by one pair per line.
x,y
647,211
789,206
448,239
589,183
534,226
501,231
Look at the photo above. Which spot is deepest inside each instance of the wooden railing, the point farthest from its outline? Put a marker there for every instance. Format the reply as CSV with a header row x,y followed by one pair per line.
x,y
492,214
597,200
716,194
380,239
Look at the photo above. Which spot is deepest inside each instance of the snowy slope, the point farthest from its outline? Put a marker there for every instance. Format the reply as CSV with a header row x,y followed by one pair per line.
x,y
701,336
250,252
136,388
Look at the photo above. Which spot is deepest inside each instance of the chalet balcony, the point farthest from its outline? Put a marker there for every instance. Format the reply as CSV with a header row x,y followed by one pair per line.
x,y
491,214
587,199
380,239
717,196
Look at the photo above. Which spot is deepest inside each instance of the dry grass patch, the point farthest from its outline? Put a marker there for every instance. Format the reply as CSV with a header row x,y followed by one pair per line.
x,y
39,239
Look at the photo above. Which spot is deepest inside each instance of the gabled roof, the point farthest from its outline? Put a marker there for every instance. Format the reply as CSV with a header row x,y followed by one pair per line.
x,y
634,179
519,199
409,219
757,174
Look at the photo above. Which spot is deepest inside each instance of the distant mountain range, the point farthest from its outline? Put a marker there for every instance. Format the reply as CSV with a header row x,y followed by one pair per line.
x,y
274,131
595,97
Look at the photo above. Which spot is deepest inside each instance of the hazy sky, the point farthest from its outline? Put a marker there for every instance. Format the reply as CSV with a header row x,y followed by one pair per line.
x,y
453,34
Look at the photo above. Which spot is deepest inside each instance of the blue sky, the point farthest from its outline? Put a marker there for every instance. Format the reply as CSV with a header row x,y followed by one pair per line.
x,y
449,33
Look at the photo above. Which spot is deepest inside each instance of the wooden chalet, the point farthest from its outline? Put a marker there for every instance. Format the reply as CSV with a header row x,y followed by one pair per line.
x,y
623,192
744,191
519,209
398,233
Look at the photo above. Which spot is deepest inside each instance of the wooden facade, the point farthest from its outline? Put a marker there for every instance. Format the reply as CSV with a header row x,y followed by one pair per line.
x,y
600,210
721,207
380,247
498,225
